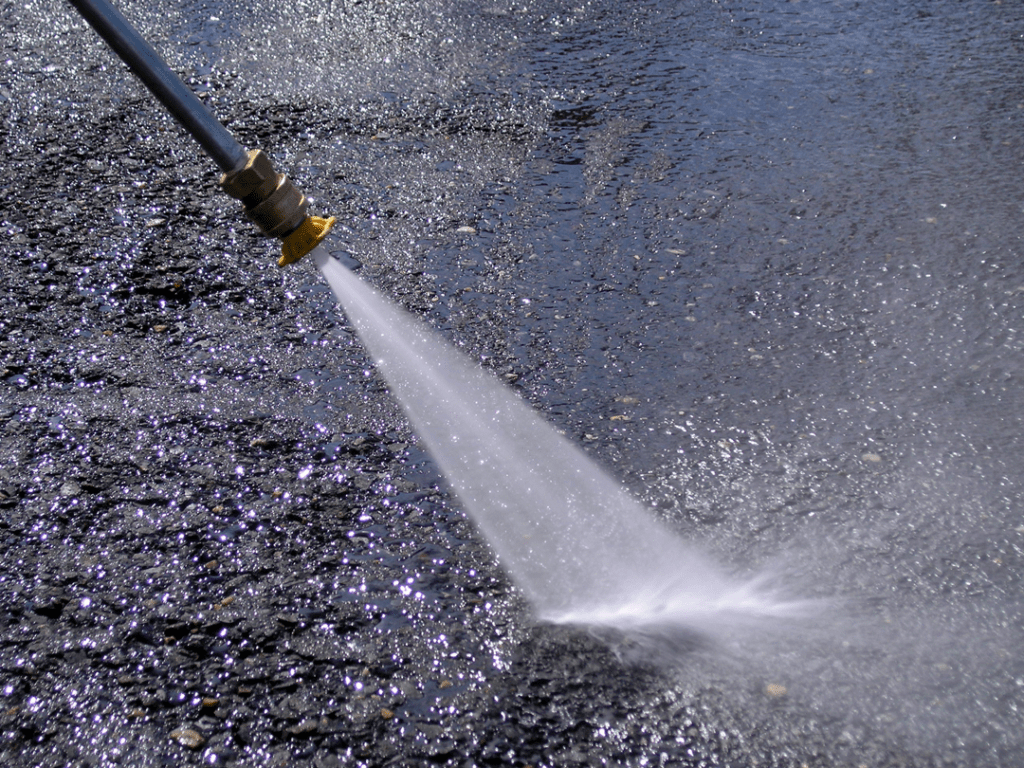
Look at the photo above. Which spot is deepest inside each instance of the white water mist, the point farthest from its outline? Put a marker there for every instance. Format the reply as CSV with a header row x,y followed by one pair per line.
x,y
580,547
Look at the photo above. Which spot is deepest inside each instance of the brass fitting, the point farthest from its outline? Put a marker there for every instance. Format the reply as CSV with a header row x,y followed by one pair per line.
x,y
270,199
276,206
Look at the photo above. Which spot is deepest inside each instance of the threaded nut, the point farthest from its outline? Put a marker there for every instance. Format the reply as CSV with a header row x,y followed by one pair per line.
x,y
270,198
252,183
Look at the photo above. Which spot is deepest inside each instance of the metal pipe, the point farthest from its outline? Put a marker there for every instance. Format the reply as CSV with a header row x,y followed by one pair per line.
x,y
180,101
270,198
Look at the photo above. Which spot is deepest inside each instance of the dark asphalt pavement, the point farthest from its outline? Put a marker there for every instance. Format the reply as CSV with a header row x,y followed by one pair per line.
x,y
762,260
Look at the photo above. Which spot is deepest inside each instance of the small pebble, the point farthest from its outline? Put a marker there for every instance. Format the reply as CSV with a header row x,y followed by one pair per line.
x,y
188,738
305,728
467,230
70,488
872,457
775,690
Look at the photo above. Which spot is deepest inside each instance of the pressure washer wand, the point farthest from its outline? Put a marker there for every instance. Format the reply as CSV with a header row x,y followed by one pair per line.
x,y
270,199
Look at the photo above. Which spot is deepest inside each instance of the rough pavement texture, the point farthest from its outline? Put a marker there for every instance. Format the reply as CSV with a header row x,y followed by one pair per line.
x,y
220,542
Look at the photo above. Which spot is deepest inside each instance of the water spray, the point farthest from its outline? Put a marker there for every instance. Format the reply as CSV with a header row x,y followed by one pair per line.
x,y
582,549
271,201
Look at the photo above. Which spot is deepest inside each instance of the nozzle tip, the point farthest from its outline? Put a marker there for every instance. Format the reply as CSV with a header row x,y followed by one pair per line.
x,y
304,239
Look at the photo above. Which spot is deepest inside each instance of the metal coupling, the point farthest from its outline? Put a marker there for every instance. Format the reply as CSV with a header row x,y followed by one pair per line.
x,y
276,206
269,197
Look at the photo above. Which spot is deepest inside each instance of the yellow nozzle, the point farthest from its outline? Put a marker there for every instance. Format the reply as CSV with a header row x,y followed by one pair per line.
x,y
304,239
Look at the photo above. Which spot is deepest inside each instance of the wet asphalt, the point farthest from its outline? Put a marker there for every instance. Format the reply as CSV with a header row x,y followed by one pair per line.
x,y
761,260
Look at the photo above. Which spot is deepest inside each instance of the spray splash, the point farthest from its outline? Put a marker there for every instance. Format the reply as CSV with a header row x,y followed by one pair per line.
x,y
581,548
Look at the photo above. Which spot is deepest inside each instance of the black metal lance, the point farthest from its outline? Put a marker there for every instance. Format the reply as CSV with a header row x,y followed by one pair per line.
x,y
277,207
